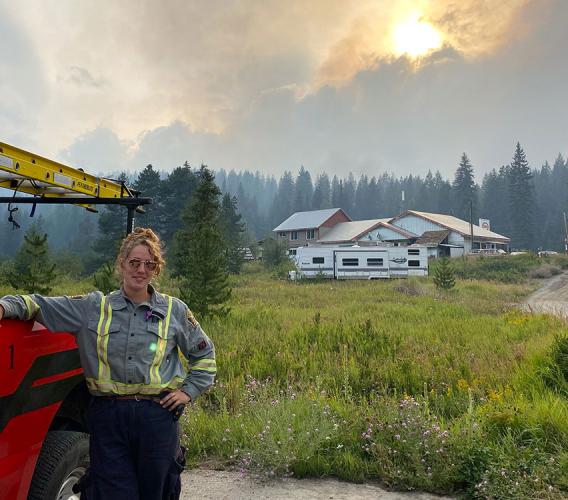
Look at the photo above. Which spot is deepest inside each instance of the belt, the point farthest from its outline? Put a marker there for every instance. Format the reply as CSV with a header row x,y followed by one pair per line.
x,y
134,397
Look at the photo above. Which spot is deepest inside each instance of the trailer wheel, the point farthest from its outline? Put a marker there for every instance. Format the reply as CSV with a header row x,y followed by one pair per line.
x,y
63,460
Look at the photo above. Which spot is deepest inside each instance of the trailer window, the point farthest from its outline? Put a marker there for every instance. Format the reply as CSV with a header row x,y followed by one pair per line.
x,y
317,260
374,262
413,251
413,263
350,262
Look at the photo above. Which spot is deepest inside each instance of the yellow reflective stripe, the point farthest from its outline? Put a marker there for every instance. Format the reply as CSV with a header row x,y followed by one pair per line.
x,y
206,365
31,306
161,345
112,387
102,340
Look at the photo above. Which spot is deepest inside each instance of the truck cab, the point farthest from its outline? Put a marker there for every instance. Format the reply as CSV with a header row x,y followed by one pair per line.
x,y
43,402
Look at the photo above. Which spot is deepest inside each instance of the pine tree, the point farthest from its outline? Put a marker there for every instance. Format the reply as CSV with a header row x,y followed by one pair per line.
x,y
176,190
33,270
494,204
282,205
233,233
322,193
521,201
464,190
105,280
149,183
444,275
304,191
112,229
199,251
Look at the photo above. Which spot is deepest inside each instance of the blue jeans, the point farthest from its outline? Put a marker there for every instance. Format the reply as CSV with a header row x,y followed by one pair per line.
x,y
133,445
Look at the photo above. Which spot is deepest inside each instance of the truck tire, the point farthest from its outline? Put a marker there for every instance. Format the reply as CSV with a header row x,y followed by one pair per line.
x,y
63,460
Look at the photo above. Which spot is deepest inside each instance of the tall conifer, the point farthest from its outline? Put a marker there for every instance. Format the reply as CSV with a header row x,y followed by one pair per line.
x,y
521,201
200,252
233,233
464,191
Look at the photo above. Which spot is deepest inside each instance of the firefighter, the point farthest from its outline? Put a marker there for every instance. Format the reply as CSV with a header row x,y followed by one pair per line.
x,y
128,344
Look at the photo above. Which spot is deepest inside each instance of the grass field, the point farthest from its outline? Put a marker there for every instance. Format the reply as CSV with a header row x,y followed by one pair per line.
x,y
389,381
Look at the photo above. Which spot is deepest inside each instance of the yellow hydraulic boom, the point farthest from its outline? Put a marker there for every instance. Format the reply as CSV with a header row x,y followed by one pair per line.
x,y
52,182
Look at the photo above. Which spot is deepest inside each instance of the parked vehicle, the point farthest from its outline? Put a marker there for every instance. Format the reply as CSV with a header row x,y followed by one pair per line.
x,y
360,262
44,445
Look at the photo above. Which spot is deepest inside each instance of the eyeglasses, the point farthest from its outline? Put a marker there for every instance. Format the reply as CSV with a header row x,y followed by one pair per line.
x,y
135,264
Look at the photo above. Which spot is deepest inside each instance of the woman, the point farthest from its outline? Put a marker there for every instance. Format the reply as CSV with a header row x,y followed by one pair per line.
x,y
128,343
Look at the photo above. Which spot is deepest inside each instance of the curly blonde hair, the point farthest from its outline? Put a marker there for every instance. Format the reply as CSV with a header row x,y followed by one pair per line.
x,y
146,237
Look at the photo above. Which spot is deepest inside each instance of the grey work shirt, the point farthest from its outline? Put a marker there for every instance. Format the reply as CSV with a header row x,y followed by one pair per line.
x,y
133,334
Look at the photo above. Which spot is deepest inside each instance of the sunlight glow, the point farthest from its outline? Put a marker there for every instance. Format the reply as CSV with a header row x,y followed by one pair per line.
x,y
416,38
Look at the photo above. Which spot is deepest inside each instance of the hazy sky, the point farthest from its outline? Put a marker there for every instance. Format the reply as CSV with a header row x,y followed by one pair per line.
x,y
366,86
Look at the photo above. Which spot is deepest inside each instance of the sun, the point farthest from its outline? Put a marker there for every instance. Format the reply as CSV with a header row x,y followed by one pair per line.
x,y
416,38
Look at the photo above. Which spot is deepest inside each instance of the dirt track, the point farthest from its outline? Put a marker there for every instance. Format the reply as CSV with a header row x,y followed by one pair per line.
x,y
223,485
205,484
551,298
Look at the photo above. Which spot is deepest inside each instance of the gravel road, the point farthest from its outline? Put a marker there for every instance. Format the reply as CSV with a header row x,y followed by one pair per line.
x,y
206,484
551,298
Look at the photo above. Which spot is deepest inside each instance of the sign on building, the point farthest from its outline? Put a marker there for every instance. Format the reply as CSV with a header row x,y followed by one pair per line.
x,y
485,224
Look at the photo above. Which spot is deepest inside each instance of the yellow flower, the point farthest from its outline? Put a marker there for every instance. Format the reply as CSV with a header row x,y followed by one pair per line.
x,y
462,385
494,395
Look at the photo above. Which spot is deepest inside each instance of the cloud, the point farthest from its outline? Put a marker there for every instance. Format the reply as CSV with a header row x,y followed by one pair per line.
x,y
274,85
81,77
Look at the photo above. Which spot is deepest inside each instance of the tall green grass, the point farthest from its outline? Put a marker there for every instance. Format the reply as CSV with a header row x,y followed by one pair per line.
x,y
390,381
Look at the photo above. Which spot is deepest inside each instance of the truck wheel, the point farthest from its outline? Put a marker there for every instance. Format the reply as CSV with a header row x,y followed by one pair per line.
x,y
63,460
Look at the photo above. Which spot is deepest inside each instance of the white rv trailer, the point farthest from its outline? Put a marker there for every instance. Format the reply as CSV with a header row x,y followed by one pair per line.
x,y
361,262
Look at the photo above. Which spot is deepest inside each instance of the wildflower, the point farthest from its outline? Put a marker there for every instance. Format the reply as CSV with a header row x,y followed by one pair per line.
x,y
339,446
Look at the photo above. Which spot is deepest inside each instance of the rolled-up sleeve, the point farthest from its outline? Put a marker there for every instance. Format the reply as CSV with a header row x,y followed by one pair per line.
x,y
199,350
64,313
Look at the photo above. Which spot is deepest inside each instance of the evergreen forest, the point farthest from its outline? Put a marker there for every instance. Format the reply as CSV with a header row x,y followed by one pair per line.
x,y
522,202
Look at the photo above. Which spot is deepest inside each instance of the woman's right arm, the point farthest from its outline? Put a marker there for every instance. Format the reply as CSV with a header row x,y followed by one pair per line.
x,y
66,314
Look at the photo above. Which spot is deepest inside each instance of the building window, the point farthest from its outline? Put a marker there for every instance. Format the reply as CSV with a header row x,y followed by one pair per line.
x,y
350,262
317,260
413,251
282,235
292,251
294,235
413,263
374,262
311,234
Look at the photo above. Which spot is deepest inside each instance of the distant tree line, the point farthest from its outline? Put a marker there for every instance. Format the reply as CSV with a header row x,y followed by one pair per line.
x,y
524,203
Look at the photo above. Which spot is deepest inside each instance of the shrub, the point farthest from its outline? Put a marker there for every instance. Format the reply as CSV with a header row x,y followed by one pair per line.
x,y
409,287
274,253
444,275
105,279
544,271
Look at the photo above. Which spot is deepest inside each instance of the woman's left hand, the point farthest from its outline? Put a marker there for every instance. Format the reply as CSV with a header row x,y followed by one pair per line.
x,y
174,399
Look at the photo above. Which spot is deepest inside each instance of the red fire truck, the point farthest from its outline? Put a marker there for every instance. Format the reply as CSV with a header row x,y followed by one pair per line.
x,y
43,396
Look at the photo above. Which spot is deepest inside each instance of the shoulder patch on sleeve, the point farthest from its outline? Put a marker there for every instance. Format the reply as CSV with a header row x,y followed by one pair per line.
x,y
191,318
202,345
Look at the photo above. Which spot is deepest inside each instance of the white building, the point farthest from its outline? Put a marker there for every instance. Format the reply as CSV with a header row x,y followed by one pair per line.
x,y
443,235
